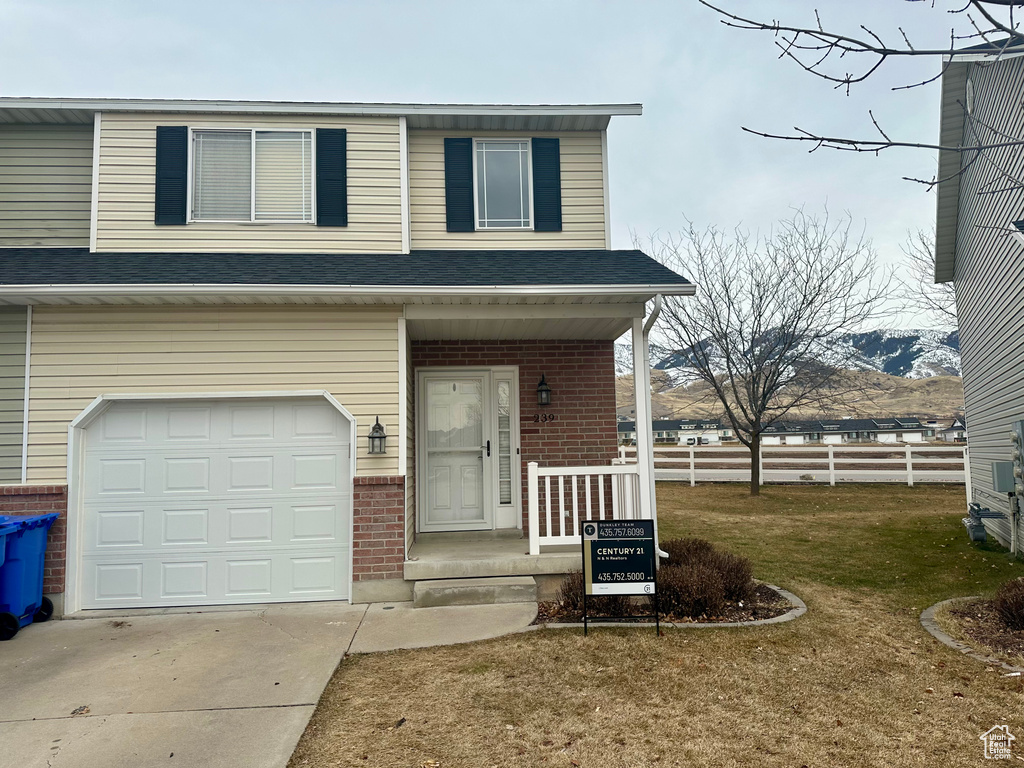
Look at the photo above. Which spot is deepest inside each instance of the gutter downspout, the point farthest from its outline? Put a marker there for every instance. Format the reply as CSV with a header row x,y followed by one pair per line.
x,y
25,397
649,443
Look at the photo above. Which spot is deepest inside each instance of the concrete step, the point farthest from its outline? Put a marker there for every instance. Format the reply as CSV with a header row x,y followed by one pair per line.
x,y
441,592
468,563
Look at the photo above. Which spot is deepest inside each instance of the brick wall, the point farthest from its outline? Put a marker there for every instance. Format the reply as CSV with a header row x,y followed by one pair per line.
x,y
36,500
581,375
378,546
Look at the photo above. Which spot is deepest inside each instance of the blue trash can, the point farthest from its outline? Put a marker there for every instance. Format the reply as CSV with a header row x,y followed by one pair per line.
x,y
21,572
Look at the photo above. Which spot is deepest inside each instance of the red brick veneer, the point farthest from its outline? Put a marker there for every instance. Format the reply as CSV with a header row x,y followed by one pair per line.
x,y
378,538
581,375
37,500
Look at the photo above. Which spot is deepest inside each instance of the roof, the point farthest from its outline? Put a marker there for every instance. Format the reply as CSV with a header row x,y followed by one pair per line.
x,y
951,131
476,268
523,117
793,427
663,425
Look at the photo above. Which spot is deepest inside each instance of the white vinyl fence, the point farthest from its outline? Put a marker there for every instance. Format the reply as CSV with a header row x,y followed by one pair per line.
x,y
922,463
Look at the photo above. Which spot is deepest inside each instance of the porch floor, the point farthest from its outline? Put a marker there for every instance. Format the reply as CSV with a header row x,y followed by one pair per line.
x,y
474,555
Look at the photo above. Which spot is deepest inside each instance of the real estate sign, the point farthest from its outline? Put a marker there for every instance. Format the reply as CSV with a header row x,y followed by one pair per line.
x,y
618,557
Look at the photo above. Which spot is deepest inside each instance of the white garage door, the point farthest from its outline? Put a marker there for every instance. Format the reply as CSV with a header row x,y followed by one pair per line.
x,y
214,502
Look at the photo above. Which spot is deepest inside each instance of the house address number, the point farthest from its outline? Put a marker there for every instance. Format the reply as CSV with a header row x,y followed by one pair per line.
x,y
542,417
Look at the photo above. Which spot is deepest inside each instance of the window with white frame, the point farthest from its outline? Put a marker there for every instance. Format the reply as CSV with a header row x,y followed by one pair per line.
x,y
502,184
251,175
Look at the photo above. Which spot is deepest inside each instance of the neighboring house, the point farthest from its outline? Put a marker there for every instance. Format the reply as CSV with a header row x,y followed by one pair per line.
x,y
268,351
675,431
954,433
827,432
979,248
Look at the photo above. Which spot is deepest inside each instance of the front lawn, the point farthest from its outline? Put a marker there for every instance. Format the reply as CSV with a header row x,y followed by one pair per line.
x,y
855,682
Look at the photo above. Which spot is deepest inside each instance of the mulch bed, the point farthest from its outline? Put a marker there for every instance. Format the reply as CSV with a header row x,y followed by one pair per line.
x,y
766,604
979,621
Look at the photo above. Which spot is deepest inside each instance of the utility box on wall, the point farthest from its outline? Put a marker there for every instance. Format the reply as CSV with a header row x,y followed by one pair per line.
x,y
1002,476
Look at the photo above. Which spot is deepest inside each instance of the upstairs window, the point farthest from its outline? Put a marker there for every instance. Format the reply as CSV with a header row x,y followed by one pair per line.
x,y
249,175
502,184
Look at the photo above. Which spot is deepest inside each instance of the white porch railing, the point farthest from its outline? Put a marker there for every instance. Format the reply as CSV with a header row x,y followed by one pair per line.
x,y
560,498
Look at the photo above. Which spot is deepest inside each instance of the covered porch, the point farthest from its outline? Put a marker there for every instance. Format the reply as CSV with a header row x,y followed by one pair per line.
x,y
560,464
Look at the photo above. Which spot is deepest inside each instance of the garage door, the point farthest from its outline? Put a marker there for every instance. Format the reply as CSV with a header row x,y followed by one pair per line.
x,y
215,502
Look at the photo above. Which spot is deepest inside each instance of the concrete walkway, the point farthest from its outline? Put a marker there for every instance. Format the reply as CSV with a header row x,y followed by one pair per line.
x,y
226,688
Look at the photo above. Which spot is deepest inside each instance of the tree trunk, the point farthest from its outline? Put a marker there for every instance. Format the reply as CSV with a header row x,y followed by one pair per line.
x,y
755,465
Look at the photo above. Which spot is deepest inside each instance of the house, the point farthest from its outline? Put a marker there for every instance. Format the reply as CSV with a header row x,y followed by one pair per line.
x,y
268,352
675,431
978,248
954,433
827,432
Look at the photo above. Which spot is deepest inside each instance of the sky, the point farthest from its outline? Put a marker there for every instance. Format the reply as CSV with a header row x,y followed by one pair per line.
x,y
685,159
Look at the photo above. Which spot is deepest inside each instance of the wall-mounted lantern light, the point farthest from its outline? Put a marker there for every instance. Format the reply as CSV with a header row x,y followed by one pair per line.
x,y
543,392
378,440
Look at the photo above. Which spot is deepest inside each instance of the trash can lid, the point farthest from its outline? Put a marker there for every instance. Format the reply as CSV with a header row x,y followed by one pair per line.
x,y
24,522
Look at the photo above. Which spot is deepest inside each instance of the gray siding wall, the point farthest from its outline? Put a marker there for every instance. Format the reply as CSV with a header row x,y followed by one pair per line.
x,y
12,391
45,185
989,277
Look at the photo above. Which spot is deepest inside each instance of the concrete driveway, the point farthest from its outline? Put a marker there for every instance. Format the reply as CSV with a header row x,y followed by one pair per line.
x,y
218,688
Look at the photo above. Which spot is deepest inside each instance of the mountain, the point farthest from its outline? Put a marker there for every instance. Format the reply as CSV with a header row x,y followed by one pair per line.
x,y
911,354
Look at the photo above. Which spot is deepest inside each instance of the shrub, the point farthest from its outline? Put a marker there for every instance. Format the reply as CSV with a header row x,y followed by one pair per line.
x,y
736,572
737,575
1009,603
692,590
684,551
570,597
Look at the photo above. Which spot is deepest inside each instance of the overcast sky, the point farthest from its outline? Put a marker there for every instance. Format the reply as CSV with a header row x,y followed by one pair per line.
x,y
698,81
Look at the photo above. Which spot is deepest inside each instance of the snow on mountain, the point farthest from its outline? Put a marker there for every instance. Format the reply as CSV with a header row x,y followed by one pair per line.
x,y
913,354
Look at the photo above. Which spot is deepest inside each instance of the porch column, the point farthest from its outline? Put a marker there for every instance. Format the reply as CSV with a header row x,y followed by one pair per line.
x,y
644,430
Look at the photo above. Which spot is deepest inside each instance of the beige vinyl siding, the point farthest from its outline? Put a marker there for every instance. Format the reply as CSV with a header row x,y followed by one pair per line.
x,y
582,195
12,391
989,280
45,185
126,186
79,353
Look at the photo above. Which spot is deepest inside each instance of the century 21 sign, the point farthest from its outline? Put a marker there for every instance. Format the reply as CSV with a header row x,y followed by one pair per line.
x,y
618,557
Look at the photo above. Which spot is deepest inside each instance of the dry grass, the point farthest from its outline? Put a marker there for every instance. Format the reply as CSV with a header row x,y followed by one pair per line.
x,y
846,685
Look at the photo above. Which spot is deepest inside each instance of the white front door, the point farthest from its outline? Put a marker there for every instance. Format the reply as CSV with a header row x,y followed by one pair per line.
x,y
469,450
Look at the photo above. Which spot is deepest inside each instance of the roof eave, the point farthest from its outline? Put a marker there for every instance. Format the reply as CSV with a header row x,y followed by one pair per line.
x,y
315,107
221,289
947,199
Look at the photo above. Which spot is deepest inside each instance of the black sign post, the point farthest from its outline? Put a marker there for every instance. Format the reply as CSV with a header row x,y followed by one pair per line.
x,y
619,558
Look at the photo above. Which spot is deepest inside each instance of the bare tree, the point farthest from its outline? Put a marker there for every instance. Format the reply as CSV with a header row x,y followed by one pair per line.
x,y
919,289
846,58
763,326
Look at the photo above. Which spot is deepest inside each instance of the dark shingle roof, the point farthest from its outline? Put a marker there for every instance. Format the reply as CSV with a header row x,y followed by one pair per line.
x,y
76,266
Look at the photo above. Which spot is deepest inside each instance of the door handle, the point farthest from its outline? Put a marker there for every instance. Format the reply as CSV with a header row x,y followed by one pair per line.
x,y
487,448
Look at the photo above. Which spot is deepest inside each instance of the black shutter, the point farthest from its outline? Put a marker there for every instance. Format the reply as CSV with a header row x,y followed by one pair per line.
x,y
547,186
171,196
331,178
458,184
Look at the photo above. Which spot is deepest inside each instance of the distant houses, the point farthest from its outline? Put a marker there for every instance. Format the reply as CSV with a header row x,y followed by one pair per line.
x,y
822,432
